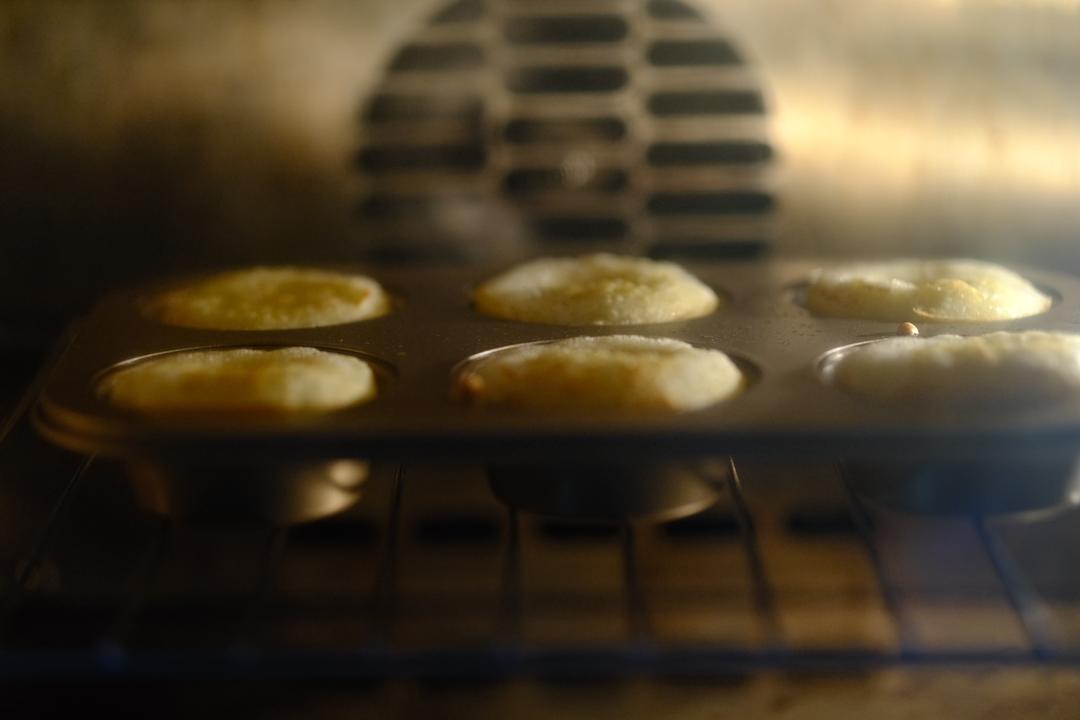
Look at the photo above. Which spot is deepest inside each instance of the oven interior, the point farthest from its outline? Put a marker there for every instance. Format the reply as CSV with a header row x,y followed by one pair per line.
x,y
642,127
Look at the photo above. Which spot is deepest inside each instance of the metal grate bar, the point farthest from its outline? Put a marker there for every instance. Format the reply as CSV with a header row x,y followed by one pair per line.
x,y
764,597
32,563
636,607
585,663
26,401
22,407
906,636
510,608
1033,615
386,575
269,561
141,582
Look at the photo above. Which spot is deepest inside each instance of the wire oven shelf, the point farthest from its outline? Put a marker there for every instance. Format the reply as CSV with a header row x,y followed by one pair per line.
x,y
602,600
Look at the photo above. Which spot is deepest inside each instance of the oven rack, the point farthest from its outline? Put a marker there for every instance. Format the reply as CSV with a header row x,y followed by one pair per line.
x,y
51,628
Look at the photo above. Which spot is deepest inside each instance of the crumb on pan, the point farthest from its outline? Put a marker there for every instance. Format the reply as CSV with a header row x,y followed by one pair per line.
x,y
907,329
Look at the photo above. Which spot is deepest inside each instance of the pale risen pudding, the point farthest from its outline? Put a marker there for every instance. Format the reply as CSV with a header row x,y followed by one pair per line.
x,y
271,298
598,289
287,380
928,290
998,369
619,372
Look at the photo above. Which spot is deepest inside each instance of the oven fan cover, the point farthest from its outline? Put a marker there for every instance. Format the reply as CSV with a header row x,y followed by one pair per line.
x,y
506,128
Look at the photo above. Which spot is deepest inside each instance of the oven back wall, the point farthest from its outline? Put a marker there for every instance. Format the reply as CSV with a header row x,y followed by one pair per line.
x,y
142,137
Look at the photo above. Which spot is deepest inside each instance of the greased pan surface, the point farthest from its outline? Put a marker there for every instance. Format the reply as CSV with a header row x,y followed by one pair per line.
x,y
433,329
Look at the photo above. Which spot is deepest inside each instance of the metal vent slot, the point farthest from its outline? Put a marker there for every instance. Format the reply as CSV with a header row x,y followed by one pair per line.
x,y
669,53
447,108
449,184
444,57
672,10
668,154
414,207
721,102
689,228
738,202
422,132
604,124
707,179
524,131
568,7
532,181
423,157
565,30
461,11
530,80
578,229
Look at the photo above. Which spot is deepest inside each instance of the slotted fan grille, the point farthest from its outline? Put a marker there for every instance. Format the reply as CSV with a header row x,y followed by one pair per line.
x,y
505,126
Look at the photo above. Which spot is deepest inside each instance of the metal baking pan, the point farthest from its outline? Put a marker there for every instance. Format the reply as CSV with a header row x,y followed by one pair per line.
x,y
786,409
281,470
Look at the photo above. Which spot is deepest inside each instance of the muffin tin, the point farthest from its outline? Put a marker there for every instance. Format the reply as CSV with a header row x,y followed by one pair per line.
x,y
621,466
787,407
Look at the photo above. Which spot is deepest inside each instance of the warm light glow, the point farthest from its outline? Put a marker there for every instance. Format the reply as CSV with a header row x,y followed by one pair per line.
x,y
893,147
